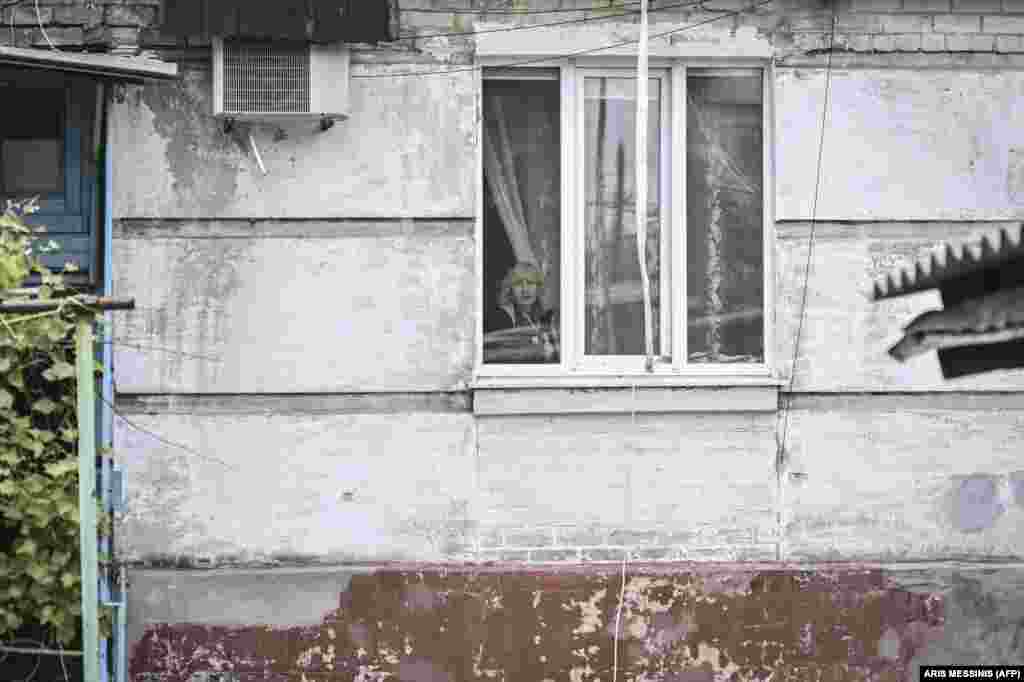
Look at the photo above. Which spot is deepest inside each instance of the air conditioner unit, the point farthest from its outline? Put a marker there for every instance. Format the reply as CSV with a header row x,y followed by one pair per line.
x,y
279,80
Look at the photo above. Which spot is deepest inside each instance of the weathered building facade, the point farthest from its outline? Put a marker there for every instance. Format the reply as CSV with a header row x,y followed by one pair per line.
x,y
326,479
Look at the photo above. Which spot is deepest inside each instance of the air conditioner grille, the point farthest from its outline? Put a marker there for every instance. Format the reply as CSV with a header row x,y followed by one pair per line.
x,y
266,78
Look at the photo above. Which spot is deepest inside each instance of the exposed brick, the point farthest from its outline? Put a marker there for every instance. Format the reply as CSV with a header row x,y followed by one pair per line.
x,y
1009,24
112,35
1010,44
820,21
906,23
583,535
907,42
511,555
933,42
555,555
130,15
658,554
953,23
884,43
970,43
926,5
58,35
858,23
528,537
805,42
857,42
875,5
679,537
977,5
26,16
491,537
634,537
603,554
982,43
77,15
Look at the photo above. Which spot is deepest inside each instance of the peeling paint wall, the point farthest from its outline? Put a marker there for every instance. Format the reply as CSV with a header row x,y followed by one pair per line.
x,y
701,624
406,151
900,145
295,307
308,335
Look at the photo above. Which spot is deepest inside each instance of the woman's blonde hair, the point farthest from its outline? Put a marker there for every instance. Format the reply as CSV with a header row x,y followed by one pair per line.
x,y
519,271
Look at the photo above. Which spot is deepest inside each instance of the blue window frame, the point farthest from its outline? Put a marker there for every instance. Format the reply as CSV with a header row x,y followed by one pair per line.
x,y
46,144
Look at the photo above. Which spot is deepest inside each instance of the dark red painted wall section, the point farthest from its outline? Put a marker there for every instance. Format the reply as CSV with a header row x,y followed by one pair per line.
x,y
694,625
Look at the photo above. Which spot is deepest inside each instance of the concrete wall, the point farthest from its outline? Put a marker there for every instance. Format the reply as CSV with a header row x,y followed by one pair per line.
x,y
295,385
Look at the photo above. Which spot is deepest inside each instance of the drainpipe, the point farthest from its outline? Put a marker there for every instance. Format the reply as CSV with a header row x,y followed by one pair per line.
x,y
641,184
120,632
106,542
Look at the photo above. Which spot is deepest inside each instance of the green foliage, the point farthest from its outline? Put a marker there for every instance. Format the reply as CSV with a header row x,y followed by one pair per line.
x,y
39,555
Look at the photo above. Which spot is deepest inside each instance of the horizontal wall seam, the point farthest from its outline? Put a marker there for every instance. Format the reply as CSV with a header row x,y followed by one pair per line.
x,y
942,61
905,401
294,403
462,401
287,228
199,568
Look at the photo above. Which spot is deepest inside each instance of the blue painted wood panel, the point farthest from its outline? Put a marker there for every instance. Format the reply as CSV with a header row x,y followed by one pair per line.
x,y
69,215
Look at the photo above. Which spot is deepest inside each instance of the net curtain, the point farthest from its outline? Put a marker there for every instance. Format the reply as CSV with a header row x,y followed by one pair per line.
x,y
521,161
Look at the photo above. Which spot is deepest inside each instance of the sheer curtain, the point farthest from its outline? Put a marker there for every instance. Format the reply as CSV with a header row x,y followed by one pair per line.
x,y
724,204
521,168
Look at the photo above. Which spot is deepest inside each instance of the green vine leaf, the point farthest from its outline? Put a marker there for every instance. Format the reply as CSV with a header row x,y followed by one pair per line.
x,y
39,563
44,406
26,547
59,370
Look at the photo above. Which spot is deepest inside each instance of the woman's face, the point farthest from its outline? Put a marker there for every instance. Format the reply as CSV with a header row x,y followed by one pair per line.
x,y
525,289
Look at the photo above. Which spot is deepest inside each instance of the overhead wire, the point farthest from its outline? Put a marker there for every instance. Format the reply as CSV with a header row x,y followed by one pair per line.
x,y
564,22
162,439
565,55
787,405
515,12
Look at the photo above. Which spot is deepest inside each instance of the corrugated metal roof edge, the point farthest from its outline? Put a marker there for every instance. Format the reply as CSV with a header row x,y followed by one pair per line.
x,y
103,65
930,274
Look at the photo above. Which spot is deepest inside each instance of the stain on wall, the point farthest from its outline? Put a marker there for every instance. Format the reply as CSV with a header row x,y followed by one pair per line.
x,y
441,624
201,159
428,624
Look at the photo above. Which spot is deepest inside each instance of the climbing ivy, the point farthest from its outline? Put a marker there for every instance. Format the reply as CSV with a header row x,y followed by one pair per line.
x,y
40,584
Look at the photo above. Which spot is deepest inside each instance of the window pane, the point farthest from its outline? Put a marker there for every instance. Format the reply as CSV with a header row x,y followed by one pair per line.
x,y
32,142
614,309
521,221
724,197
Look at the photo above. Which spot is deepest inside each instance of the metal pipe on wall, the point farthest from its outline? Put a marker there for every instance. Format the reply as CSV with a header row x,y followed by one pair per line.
x,y
641,184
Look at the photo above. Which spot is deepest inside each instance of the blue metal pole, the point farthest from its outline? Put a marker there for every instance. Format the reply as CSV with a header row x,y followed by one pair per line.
x,y
103,412
120,634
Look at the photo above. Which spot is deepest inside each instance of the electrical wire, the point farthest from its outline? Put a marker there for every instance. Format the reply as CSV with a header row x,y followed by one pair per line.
x,y
787,405
550,58
162,439
564,22
618,617
39,20
37,649
513,12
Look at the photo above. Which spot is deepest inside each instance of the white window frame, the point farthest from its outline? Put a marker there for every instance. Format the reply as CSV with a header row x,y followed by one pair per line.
x,y
575,369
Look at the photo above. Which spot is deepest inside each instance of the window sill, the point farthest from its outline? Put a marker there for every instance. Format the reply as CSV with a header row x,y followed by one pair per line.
x,y
618,394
